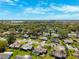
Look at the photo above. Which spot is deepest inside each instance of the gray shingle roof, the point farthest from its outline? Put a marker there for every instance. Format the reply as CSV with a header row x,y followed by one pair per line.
x,y
27,47
39,50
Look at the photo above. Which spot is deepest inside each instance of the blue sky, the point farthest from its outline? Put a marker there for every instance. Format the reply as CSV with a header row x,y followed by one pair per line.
x,y
39,9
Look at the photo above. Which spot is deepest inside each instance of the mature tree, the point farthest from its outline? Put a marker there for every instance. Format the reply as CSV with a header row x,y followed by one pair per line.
x,y
11,38
63,32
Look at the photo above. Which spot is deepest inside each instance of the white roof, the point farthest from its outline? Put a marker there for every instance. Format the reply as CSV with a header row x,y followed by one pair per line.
x,y
23,57
27,46
8,52
27,57
54,34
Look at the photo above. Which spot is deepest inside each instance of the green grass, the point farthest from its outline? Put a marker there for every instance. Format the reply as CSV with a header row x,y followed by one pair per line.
x,y
75,44
48,41
45,57
71,52
35,45
22,53
71,57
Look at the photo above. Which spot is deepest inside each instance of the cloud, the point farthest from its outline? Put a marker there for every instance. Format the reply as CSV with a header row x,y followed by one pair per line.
x,y
66,8
10,2
64,16
67,12
52,9
38,10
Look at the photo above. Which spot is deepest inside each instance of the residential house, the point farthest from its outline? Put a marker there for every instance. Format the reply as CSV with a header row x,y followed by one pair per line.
x,y
46,34
5,55
59,52
44,38
68,41
71,47
16,44
54,35
55,40
39,50
26,36
33,37
27,47
72,34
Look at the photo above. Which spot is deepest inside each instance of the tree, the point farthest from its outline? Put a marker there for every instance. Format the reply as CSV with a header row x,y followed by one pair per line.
x,y
3,44
11,39
63,32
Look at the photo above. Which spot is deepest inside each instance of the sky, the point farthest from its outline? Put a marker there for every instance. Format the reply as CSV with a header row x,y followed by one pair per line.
x,y
39,9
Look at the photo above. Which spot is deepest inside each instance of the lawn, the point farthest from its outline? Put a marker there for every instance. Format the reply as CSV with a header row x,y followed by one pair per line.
x,y
71,57
22,53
